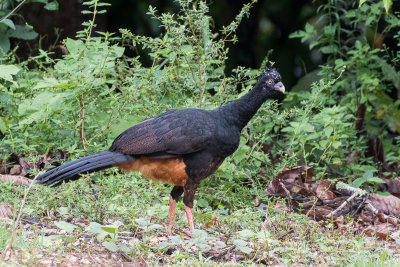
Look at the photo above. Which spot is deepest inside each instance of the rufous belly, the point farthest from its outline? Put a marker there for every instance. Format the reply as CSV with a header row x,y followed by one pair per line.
x,y
169,171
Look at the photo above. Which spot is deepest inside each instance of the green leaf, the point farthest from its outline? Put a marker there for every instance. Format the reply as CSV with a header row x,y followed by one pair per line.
x,y
376,180
51,6
6,72
124,248
3,125
47,241
74,46
94,229
246,234
196,233
111,230
387,4
246,250
202,203
368,174
328,131
239,243
336,144
220,244
9,23
40,107
119,51
241,153
4,44
22,32
358,182
111,246
68,227
142,222
361,2
155,226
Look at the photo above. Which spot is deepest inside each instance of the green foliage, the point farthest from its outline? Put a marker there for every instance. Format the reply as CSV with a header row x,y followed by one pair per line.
x,y
368,79
9,30
386,4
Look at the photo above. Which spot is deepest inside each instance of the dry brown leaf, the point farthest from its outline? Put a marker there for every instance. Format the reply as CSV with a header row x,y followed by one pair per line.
x,y
279,206
26,166
389,205
16,170
158,239
211,222
382,231
395,235
257,201
6,210
318,212
344,227
18,180
322,189
288,178
392,186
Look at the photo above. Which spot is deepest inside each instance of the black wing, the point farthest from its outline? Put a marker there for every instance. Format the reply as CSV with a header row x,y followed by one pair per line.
x,y
177,132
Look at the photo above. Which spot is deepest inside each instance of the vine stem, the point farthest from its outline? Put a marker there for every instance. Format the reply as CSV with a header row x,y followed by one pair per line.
x,y
84,141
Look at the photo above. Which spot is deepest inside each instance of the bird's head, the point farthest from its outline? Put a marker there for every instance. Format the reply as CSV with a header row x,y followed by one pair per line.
x,y
270,81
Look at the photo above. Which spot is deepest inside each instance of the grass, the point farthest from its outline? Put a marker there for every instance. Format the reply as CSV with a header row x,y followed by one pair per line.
x,y
224,211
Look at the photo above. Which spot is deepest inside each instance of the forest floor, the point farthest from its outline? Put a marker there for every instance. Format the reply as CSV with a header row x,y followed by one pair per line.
x,y
121,220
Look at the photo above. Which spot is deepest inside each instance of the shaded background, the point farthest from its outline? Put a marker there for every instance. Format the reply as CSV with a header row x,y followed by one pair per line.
x,y
268,27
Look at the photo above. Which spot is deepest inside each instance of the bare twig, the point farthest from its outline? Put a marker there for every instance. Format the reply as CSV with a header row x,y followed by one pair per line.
x,y
359,206
376,211
288,195
347,201
312,208
356,192
83,112
13,11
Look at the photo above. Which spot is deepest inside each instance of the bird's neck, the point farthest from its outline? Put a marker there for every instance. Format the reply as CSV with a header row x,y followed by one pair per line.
x,y
240,111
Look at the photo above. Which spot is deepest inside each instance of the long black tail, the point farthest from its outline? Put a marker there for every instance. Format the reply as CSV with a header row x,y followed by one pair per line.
x,y
72,170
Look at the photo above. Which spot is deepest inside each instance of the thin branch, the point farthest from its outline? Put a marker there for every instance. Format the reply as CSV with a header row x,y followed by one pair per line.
x,y
346,187
83,121
13,11
347,201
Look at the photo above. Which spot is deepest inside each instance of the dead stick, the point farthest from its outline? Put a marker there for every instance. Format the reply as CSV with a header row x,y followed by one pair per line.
x,y
346,187
347,201
288,195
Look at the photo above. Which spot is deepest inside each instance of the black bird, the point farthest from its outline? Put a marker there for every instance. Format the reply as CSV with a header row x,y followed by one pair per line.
x,y
179,147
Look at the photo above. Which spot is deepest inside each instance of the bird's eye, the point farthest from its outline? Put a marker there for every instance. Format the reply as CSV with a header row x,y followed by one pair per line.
x,y
269,82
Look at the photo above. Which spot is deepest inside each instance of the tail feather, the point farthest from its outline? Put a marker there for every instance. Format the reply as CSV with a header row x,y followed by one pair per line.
x,y
72,170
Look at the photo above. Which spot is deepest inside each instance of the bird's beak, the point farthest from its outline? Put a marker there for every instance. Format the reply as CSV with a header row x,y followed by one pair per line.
x,y
280,87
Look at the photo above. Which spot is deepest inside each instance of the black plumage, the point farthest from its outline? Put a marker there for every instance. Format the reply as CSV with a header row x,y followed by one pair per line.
x,y
180,146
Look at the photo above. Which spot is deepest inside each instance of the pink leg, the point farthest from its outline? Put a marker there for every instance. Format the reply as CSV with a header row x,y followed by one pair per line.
x,y
172,205
189,216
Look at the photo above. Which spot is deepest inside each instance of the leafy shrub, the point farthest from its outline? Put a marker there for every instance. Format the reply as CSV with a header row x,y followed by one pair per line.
x,y
348,37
